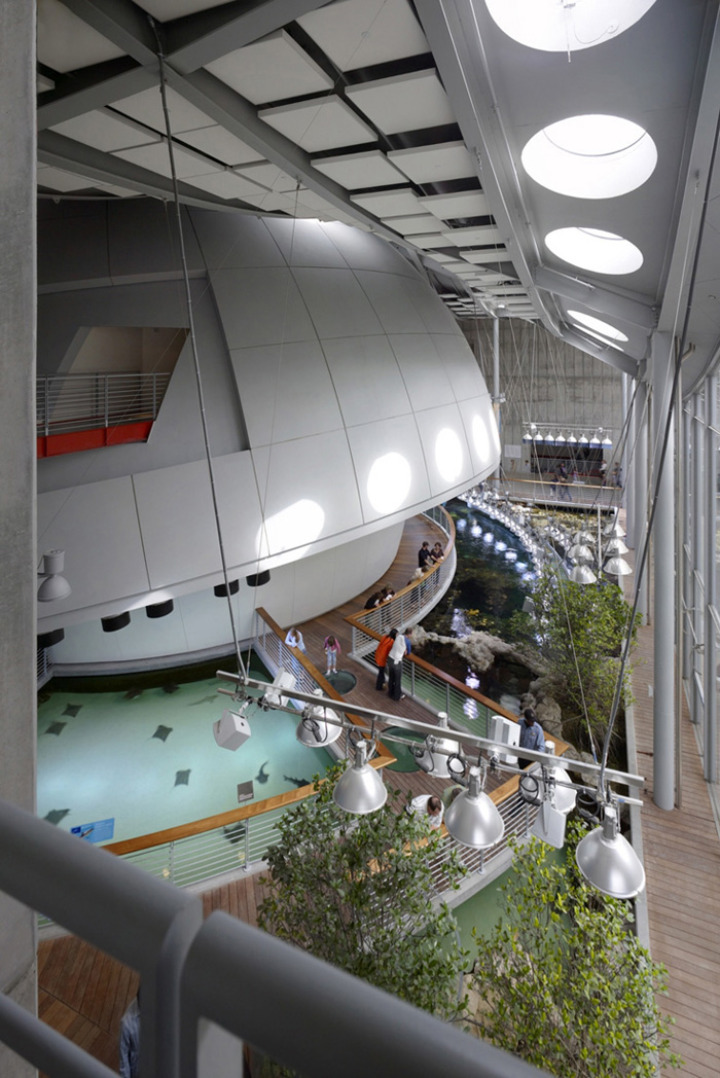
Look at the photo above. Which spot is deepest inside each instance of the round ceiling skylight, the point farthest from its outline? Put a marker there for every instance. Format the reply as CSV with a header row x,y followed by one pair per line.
x,y
592,249
564,25
592,156
588,321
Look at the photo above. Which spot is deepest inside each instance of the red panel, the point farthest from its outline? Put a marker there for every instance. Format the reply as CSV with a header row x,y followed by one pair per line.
x,y
55,445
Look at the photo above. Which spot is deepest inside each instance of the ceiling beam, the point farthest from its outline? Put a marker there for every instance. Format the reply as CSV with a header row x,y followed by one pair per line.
x,y
198,39
597,299
122,22
605,353
95,90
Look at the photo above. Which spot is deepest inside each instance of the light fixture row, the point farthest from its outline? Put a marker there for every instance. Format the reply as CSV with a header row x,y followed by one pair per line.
x,y
594,437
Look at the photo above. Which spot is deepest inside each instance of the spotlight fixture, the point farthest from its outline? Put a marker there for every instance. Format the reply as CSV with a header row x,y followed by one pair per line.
x,y
608,861
114,622
256,580
572,440
222,592
560,440
54,585
232,729
473,819
582,574
272,697
319,726
583,440
160,610
433,758
360,790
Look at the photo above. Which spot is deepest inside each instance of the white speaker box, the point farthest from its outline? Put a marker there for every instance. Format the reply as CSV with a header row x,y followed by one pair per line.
x,y
506,732
231,730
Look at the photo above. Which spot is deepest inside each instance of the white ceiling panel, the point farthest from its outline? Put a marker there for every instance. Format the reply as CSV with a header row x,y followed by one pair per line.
x,y
271,69
219,143
147,108
403,102
361,33
389,203
428,240
432,164
414,223
484,258
269,175
474,236
101,129
358,170
156,159
59,180
321,124
174,9
226,185
459,204
66,43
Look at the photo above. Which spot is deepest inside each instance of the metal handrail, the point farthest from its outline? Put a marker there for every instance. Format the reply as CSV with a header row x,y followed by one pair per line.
x,y
246,982
73,402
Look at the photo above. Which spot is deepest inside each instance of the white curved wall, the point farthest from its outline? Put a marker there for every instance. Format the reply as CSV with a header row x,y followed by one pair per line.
x,y
340,385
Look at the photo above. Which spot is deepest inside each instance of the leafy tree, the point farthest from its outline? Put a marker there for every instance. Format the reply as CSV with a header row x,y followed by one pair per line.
x,y
563,982
579,631
357,891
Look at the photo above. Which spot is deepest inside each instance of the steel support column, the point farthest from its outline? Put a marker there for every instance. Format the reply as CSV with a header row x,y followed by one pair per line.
x,y
640,489
663,359
710,577
685,556
697,556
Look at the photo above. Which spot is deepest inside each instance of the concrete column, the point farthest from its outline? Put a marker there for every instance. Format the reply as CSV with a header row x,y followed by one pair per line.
x,y
640,490
17,477
697,519
710,578
663,575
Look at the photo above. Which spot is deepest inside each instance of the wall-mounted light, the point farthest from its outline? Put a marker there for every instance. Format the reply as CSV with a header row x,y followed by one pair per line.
x,y
54,585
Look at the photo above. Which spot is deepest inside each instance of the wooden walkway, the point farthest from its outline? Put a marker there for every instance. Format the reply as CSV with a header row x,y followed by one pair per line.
x,y
682,861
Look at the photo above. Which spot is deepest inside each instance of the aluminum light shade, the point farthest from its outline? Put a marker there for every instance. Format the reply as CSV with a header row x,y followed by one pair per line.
x,y
54,586
314,731
615,547
360,789
617,567
473,819
607,860
582,574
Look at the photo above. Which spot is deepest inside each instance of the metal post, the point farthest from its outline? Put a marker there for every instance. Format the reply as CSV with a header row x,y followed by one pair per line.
x,y
246,866
640,488
663,570
684,554
497,399
697,554
709,634
629,470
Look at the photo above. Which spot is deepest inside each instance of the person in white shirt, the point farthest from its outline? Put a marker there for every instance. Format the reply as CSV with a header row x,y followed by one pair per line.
x,y
394,667
428,806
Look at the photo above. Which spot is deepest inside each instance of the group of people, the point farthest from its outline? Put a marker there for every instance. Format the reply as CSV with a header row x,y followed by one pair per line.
x,y
427,557
331,647
383,595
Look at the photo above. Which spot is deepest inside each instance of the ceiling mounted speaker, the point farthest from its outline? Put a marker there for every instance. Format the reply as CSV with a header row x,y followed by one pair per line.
x,y
256,580
47,640
160,610
222,592
231,730
116,622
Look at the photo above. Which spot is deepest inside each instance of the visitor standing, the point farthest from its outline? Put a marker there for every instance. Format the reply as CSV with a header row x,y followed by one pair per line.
x,y
394,667
130,1040
332,650
425,558
531,735
381,657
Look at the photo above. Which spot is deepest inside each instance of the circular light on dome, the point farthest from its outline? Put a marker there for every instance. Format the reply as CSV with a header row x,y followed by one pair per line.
x,y
594,250
389,482
448,454
481,439
587,321
564,27
592,156
297,525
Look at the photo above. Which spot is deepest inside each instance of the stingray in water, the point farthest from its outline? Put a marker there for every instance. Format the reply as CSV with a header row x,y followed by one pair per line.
x,y
56,728
72,710
212,698
296,782
163,733
235,832
56,815
182,778
262,775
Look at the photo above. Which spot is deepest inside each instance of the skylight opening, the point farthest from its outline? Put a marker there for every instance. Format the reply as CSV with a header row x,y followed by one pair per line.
x,y
604,329
595,250
593,156
563,26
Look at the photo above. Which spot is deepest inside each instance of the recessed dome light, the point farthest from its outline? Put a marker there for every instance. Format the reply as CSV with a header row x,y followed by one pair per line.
x,y
389,482
593,249
561,26
293,528
448,454
592,156
587,321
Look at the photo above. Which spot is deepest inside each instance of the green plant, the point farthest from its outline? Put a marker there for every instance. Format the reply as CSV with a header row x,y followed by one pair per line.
x,y
562,981
357,891
579,632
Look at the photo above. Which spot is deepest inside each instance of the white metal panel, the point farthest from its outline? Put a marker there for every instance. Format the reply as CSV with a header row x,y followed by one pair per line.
x,y
403,102
238,240
436,425
474,236
302,243
422,369
374,441
147,108
363,251
219,143
271,69
389,203
336,303
157,158
394,301
457,204
359,170
225,185
261,306
367,379
431,164
101,129
481,432
460,365
411,223
286,392
321,124
362,33
97,526
66,43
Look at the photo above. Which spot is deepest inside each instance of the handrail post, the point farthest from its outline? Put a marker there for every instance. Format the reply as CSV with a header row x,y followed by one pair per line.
x,y
246,866
47,406
154,394
106,402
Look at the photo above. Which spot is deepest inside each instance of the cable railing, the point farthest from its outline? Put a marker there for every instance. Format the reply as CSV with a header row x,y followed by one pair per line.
x,y
67,403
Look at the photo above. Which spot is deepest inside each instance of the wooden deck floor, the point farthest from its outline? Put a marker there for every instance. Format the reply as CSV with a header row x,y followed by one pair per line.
x,y
83,993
